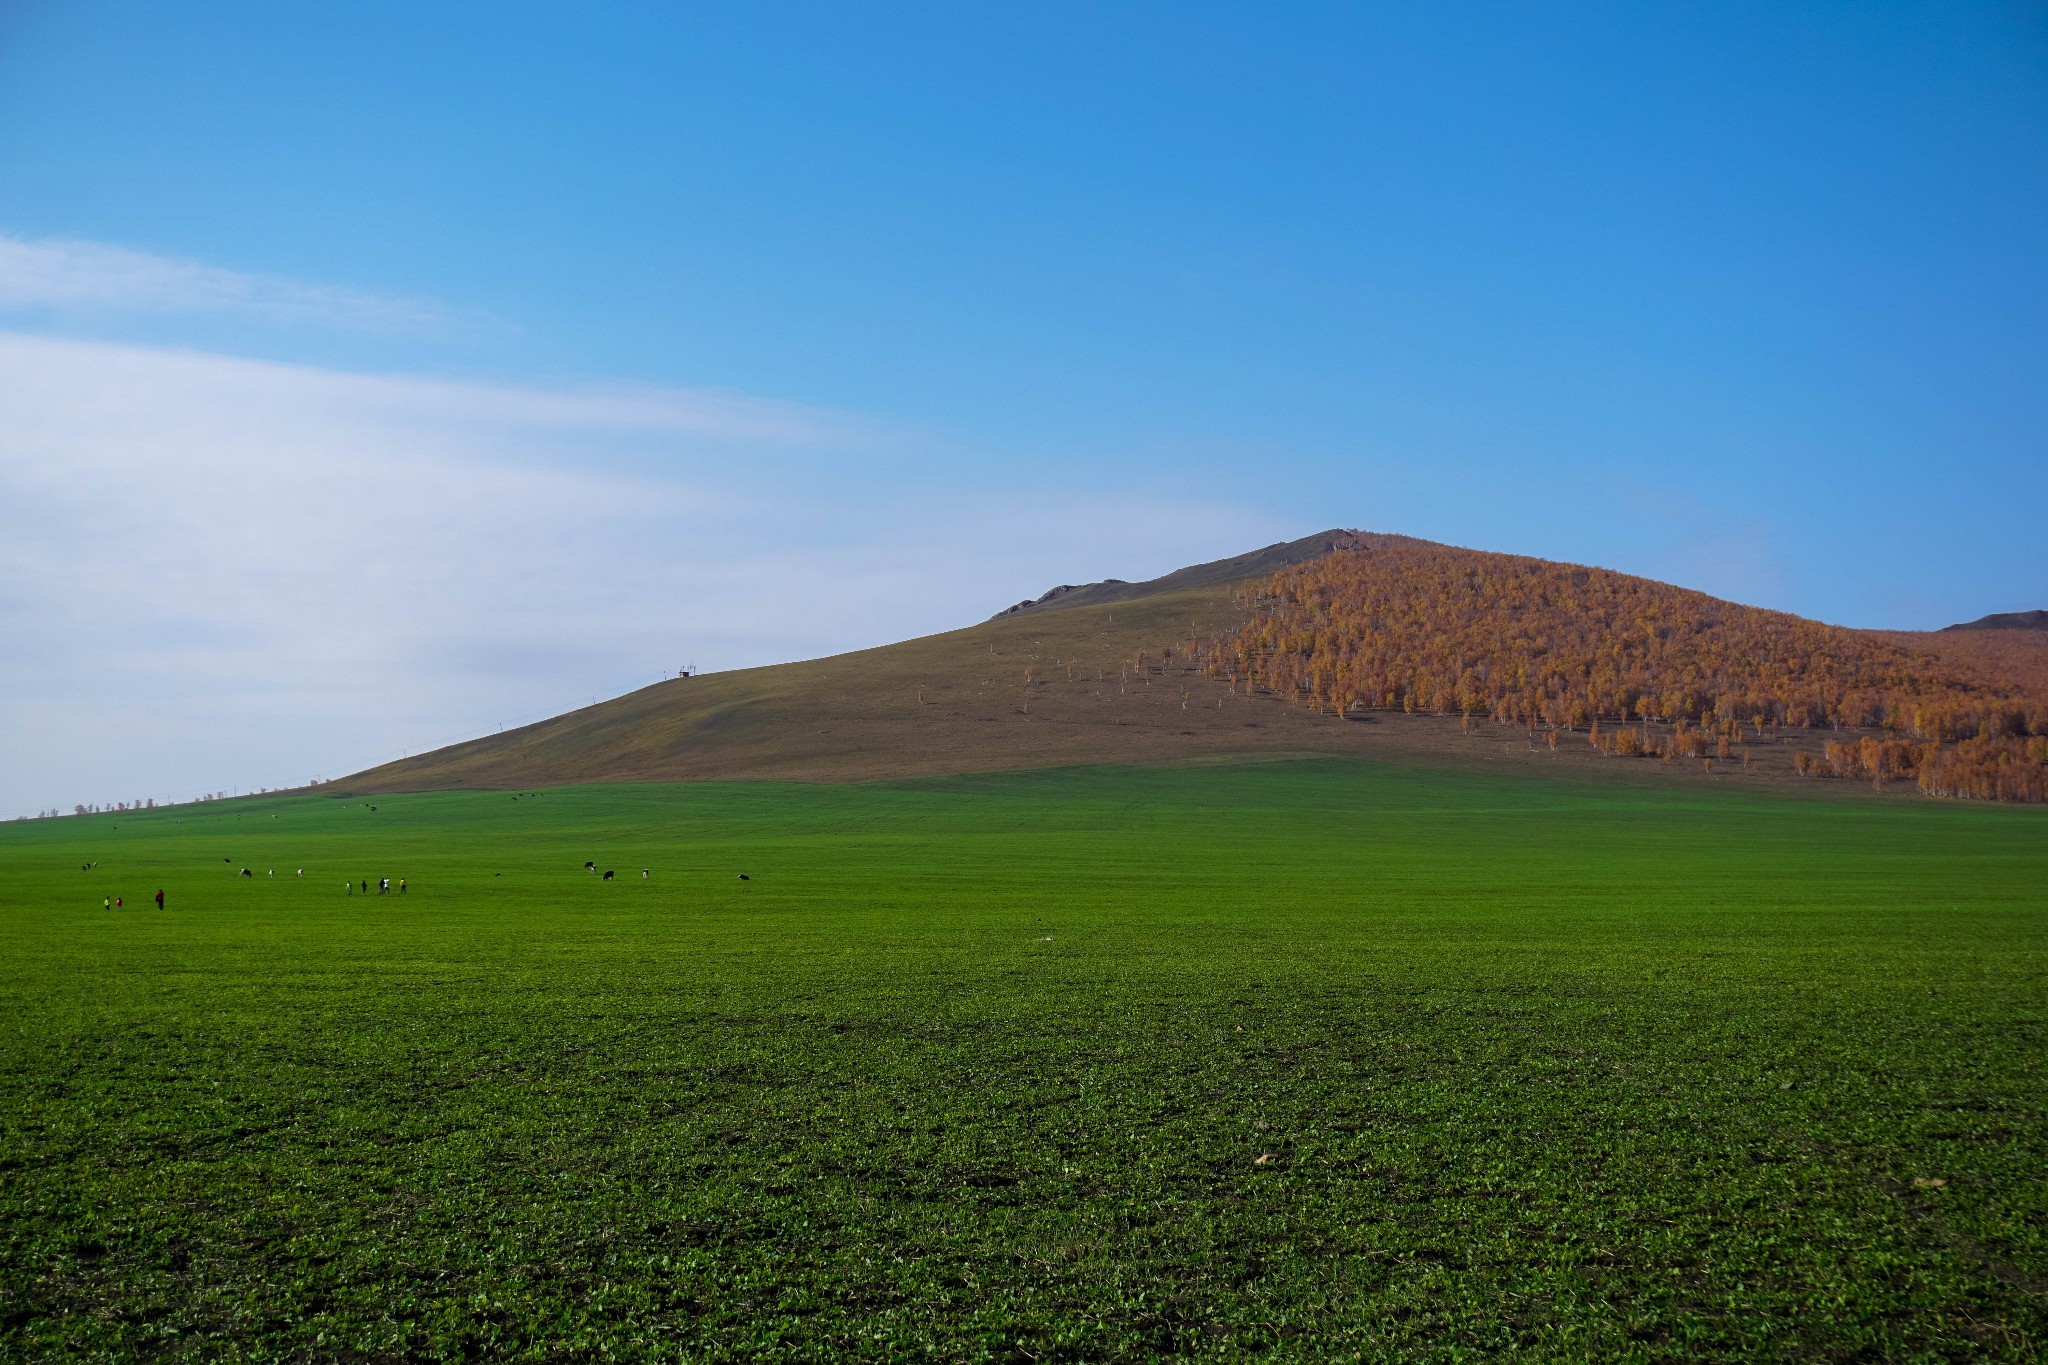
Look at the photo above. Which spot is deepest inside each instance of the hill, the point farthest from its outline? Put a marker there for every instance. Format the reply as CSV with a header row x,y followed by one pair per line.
x,y
2006,620
1264,655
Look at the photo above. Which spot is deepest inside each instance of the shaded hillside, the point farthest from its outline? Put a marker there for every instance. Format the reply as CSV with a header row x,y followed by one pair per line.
x,y
1234,570
1411,626
1149,676
2006,620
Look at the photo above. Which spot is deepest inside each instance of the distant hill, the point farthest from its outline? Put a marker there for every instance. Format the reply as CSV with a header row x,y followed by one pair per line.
x,y
2006,620
1343,642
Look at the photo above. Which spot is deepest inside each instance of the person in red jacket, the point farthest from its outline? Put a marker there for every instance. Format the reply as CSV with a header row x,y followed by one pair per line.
x,y
159,898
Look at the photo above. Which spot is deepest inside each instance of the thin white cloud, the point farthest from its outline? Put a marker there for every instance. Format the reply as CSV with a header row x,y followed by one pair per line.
x,y
219,572
56,273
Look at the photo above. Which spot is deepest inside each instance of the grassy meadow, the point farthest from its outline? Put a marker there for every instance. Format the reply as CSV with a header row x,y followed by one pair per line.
x,y
1315,1059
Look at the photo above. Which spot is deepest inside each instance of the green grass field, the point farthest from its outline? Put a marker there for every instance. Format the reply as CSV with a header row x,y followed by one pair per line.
x,y
1311,1059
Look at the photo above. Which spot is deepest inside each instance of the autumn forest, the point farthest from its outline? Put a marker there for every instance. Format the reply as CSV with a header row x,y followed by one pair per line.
x,y
1640,669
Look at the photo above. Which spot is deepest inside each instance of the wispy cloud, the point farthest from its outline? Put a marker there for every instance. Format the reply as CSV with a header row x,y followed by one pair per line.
x,y
217,571
55,273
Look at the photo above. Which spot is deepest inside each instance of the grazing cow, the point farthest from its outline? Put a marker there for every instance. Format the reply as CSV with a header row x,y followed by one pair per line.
x,y
247,873
607,875
590,867
745,878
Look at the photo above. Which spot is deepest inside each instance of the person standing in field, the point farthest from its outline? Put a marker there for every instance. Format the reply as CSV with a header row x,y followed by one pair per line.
x,y
159,898
106,902
117,902
401,886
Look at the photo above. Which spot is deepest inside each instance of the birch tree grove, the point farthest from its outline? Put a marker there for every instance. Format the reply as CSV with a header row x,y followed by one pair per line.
x,y
1390,624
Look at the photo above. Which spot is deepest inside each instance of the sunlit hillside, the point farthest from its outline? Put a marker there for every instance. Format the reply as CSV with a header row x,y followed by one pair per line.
x,y
1643,668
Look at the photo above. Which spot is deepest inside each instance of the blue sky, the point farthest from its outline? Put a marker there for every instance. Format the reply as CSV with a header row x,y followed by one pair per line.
x,y
839,323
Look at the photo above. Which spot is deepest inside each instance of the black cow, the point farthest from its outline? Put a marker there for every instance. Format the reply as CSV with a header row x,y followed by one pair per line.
x,y
745,878
607,876
247,873
590,867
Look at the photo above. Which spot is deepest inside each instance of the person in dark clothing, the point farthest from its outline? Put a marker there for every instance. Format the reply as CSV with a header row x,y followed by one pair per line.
x,y
159,898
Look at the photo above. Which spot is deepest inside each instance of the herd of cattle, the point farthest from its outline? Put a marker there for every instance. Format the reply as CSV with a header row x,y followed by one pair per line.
x,y
608,874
